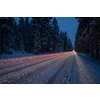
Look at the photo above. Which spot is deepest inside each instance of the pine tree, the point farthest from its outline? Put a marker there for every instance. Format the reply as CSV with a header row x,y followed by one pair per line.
x,y
21,35
61,40
36,34
55,30
1,36
14,27
46,33
37,42
50,36
27,35
51,45
70,47
94,37
65,41
82,31
32,31
88,36
6,34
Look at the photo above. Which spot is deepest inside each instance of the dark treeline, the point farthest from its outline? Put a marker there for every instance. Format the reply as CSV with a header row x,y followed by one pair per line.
x,y
88,36
40,34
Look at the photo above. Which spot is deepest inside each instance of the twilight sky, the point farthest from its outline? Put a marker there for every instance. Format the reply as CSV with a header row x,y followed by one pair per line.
x,y
68,24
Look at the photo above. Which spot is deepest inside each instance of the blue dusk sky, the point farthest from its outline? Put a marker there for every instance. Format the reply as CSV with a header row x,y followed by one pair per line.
x,y
68,24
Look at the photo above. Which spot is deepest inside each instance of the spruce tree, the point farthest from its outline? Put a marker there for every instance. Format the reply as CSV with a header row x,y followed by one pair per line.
x,y
15,28
55,30
65,41
70,47
45,33
61,40
88,37
27,35
1,35
50,37
6,34
21,35
36,34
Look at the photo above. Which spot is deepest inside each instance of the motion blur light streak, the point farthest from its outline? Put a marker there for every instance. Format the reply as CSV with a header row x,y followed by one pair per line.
x,y
62,68
51,56
31,57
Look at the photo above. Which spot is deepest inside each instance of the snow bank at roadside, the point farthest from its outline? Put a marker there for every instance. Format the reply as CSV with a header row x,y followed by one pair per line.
x,y
15,55
19,55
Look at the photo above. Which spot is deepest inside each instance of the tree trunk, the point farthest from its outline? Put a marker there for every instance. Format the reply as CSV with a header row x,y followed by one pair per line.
x,y
43,49
2,40
54,44
88,50
97,51
92,52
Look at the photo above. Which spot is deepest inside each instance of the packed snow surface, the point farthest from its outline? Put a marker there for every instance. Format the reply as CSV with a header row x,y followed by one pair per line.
x,y
57,68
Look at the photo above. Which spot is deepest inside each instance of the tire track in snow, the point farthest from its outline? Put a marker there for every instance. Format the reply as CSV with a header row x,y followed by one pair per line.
x,y
28,66
69,71
64,76
51,81
24,78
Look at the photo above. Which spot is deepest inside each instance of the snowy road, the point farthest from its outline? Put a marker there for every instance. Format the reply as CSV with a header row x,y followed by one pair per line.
x,y
58,68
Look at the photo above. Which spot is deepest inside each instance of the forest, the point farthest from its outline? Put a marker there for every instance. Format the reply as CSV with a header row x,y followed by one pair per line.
x,y
87,39
39,35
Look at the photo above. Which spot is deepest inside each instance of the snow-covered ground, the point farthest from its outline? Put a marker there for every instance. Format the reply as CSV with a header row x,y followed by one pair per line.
x,y
15,55
18,58
64,68
19,55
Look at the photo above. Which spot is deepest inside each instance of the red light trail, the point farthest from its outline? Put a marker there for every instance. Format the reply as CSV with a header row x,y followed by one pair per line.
x,y
31,57
50,56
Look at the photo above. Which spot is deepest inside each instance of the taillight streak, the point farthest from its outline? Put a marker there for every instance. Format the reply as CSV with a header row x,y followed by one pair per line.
x,y
32,57
33,60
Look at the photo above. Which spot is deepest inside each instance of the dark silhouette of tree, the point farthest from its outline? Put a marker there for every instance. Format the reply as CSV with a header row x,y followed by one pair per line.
x,y
36,34
41,34
21,35
27,35
66,41
45,33
87,38
55,30
61,41
70,47
6,34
